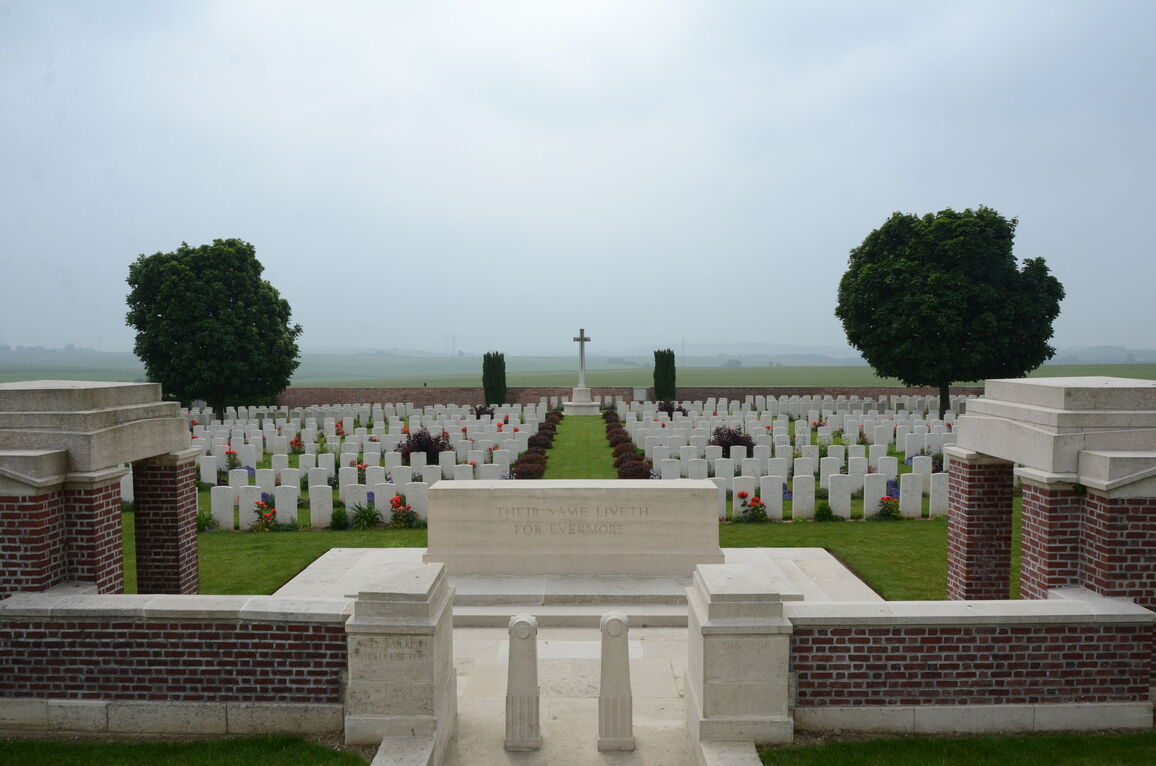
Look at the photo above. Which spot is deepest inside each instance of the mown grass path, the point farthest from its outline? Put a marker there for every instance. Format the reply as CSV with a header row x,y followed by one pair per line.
x,y
580,450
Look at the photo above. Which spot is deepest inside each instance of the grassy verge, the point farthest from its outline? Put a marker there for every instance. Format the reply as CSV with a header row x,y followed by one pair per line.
x,y
1051,750
254,751
580,450
261,562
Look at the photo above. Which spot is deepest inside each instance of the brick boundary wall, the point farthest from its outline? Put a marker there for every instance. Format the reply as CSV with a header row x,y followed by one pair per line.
x,y
424,397
93,536
1050,539
1119,548
32,543
165,501
172,661
971,665
979,525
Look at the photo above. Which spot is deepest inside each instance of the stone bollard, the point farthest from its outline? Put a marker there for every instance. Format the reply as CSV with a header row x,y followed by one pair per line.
x,y
615,702
523,731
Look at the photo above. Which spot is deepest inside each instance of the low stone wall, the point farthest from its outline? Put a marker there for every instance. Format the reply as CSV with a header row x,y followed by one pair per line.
x,y
172,664
424,397
1083,662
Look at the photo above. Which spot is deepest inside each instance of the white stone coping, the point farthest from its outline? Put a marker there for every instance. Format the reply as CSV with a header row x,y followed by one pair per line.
x,y
975,719
175,607
152,717
1065,607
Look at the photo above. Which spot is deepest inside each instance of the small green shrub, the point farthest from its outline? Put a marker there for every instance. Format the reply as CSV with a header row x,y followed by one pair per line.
x,y
340,518
823,512
205,520
364,517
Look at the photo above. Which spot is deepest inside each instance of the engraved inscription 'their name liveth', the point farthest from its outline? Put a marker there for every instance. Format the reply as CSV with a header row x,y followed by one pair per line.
x,y
571,519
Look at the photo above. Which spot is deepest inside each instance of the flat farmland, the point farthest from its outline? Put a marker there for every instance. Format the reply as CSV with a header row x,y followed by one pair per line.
x,y
390,370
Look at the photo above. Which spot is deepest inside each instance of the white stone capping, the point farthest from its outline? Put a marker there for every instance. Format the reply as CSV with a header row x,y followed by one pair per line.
x,y
160,717
94,478
27,472
173,458
174,607
975,719
412,600
970,456
1043,478
1062,610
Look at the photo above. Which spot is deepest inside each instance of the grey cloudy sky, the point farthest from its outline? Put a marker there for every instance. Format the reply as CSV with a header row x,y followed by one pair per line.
x,y
495,175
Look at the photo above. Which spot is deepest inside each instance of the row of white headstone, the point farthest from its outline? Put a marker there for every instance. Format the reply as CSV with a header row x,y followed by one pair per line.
x,y
770,489
235,507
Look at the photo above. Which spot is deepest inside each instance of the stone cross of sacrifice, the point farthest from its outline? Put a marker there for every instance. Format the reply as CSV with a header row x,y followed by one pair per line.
x,y
581,340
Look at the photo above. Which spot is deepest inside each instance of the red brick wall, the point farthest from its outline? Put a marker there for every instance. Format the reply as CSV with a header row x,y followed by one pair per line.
x,y
975,665
1050,539
979,521
422,397
93,535
1119,554
32,552
172,661
165,499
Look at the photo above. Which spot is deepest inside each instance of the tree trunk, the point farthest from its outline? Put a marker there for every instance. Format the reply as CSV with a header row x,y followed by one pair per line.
x,y
944,398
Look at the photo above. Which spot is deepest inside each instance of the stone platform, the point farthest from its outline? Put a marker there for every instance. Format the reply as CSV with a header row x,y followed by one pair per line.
x,y
569,644
809,574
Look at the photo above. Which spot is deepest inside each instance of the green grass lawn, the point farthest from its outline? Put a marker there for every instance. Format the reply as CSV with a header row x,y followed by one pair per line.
x,y
580,450
249,751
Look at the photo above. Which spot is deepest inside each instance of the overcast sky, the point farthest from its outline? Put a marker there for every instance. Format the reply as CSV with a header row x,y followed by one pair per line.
x,y
495,175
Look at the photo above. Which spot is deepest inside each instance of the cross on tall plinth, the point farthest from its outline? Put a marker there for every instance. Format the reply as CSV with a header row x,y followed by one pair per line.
x,y
581,340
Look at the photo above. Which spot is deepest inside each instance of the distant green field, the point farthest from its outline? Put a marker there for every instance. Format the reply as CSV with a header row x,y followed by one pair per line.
x,y
710,376
386,370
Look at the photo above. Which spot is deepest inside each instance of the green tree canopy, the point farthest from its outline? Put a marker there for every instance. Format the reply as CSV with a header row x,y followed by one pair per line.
x,y
209,327
940,298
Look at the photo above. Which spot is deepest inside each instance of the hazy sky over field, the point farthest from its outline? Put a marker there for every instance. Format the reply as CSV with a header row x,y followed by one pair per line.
x,y
496,175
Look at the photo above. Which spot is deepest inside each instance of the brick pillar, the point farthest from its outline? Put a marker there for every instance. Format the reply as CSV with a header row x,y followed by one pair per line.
x,y
1119,552
93,535
31,542
165,497
1050,519
979,521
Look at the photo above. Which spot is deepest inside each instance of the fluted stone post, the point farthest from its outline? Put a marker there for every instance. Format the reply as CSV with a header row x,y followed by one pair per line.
x,y
615,702
523,731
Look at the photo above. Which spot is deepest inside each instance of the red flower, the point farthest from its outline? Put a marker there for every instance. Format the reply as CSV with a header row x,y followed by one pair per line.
x,y
465,429
516,429
472,463
742,495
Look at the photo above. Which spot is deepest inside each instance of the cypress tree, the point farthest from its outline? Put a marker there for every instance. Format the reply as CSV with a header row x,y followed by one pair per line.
x,y
664,387
494,377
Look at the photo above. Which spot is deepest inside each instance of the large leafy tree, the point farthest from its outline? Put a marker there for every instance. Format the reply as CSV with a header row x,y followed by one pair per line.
x,y
940,298
209,327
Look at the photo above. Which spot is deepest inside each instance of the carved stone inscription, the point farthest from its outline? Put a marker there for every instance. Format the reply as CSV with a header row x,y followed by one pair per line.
x,y
570,520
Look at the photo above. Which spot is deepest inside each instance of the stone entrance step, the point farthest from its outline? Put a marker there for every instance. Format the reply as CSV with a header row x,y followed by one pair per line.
x,y
570,615
479,590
